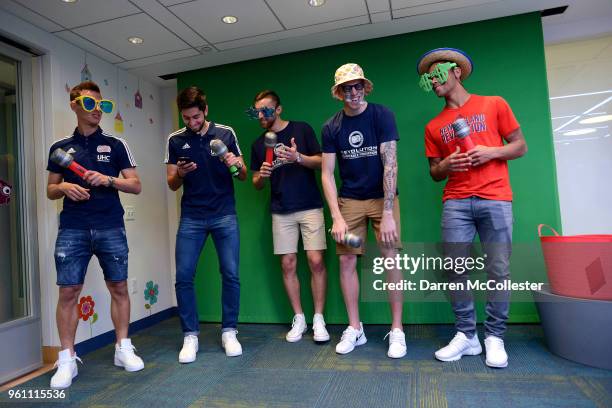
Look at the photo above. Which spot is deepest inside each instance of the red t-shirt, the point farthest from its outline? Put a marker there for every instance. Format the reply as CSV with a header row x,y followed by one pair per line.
x,y
491,120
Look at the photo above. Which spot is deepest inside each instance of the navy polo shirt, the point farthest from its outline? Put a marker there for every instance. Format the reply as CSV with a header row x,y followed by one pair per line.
x,y
356,142
208,191
105,154
293,187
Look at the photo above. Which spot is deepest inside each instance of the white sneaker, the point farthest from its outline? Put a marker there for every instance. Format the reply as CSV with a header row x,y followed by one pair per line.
x,y
298,327
459,346
66,370
397,343
126,358
320,333
189,350
496,353
351,338
230,343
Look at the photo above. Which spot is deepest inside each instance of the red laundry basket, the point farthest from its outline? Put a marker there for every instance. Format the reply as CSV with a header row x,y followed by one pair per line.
x,y
578,266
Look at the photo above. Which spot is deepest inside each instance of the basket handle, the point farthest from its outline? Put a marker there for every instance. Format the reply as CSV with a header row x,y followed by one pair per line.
x,y
547,226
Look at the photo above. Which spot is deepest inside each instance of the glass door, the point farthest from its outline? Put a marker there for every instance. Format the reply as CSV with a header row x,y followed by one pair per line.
x,y
20,328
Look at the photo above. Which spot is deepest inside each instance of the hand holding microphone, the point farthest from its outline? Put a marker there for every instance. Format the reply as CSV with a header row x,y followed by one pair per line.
x,y
70,190
219,149
270,139
341,234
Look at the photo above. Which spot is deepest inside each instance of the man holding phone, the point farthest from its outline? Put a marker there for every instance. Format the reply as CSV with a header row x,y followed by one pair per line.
x,y
207,207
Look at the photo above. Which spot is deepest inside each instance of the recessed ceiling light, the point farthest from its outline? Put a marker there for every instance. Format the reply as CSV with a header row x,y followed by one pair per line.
x,y
70,1
136,40
229,19
579,132
596,119
316,3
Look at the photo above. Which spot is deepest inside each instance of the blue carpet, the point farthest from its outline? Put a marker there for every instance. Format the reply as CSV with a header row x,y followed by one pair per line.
x,y
274,373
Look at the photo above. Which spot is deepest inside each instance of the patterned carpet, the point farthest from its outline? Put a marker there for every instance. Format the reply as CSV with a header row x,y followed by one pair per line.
x,y
274,373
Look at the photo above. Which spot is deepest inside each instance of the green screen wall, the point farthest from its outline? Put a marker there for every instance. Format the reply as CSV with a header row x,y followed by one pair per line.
x,y
508,55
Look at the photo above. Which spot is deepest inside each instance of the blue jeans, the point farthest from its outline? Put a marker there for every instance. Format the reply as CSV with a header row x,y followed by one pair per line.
x,y
75,247
492,220
190,240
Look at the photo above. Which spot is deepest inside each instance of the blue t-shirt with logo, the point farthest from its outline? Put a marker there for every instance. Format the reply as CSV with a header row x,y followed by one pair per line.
x,y
293,187
356,141
105,154
208,191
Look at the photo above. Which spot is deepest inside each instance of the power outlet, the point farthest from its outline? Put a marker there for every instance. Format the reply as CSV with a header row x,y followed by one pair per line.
x,y
132,286
130,213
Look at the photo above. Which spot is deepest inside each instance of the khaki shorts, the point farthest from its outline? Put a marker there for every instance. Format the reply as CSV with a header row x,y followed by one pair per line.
x,y
286,231
356,214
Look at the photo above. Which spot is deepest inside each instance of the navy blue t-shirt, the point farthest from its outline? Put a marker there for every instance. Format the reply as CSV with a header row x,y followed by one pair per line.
x,y
208,191
293,186
105,154
356,140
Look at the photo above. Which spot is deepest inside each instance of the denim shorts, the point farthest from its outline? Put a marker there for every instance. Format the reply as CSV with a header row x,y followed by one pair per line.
x,y
74,249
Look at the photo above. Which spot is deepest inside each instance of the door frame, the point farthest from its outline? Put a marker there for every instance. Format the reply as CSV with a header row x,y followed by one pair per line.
x,y
19,356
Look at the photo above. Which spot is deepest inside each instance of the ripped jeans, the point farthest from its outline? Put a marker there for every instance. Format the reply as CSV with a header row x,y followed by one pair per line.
x,y
74,249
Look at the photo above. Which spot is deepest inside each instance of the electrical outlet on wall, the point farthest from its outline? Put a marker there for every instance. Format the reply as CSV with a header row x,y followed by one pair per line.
x,y
130,213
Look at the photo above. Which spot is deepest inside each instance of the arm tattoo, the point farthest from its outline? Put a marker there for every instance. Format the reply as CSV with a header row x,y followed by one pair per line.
x,y
389,159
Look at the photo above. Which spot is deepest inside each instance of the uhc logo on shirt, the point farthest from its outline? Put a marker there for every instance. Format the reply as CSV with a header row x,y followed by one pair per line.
x,y
104,158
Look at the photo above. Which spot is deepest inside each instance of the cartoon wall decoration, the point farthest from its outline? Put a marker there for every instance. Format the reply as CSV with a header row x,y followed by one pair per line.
x,y
138,99
118,122
5,192
86,74
86,310
150,294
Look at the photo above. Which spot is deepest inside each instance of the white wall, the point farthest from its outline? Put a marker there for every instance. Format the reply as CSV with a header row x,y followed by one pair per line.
x,y
148,235
580,87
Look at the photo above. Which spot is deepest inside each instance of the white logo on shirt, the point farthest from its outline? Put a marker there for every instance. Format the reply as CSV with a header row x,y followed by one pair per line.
x,y
355,139
104,149
186,146
104,158
71,151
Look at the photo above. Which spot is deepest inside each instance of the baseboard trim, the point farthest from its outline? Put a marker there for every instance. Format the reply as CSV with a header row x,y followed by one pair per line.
x,y
50,353
107,338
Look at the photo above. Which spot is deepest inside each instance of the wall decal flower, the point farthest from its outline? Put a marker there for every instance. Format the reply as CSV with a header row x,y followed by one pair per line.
x,y
86,310
150,294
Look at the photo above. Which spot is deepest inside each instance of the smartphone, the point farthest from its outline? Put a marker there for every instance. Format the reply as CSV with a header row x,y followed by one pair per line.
x,y
185,159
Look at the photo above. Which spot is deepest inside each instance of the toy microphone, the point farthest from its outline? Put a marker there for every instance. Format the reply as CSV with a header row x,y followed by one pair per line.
x,y
350,239
462,134
270,139
218,148
64,159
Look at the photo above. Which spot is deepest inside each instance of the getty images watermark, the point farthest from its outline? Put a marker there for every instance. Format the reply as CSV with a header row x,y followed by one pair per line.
x,y
434,271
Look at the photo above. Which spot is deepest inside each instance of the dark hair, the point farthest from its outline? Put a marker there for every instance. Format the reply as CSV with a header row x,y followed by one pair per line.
x,y
192,97
267,93
75,92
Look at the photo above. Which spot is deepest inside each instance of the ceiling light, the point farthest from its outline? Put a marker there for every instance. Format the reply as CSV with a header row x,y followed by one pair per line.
x,y
316,3
579,132
229,19
136,40
596,119
70,1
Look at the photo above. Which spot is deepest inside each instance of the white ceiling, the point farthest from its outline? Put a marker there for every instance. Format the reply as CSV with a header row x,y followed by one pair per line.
x,y
181,35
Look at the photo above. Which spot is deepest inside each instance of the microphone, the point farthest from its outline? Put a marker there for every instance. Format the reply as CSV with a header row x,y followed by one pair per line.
x,y
270,139
350,239
218,148
64,159
462,134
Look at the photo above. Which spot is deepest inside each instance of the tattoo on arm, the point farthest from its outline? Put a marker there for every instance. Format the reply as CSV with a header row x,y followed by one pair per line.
x,y
388,156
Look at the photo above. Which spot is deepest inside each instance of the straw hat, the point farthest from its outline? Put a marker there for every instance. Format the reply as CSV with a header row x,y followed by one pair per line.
x,y
446,54
349,72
